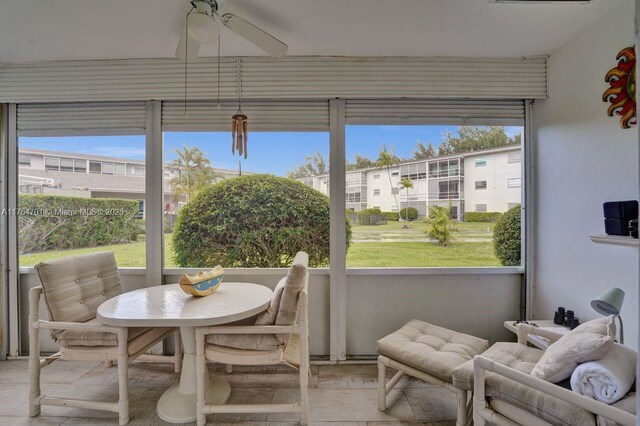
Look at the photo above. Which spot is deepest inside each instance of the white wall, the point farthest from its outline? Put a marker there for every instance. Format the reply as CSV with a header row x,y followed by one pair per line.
x,y
496,173
583,159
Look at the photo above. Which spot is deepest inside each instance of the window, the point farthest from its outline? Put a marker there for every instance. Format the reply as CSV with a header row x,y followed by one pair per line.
x,y
52,163
120,169
80,166
24,160
95,167
84,213
514,157
137,170
66,164
108,168
436,179
299,159
514,182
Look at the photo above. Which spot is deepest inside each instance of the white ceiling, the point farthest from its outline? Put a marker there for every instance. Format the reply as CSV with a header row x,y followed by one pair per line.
x,y
35,30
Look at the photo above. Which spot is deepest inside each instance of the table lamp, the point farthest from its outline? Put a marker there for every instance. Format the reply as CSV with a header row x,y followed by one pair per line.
x,y
610,303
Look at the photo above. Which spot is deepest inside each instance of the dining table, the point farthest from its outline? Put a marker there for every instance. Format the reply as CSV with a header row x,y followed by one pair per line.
x,y
168,306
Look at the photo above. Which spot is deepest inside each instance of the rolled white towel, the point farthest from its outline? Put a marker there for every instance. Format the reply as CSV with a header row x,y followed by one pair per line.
x,y
609,378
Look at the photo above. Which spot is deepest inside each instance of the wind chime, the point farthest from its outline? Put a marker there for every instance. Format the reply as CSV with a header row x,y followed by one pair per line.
x,y
239,128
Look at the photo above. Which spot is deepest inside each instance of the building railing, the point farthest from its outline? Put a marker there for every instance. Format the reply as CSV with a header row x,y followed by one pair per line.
x,y
35,180
445,173
451,195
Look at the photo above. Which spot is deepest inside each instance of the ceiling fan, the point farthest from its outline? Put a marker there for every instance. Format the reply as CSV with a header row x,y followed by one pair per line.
x,y
202,26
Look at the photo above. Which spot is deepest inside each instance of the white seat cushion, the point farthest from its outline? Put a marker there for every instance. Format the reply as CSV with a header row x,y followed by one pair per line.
x,y
256,342
429,348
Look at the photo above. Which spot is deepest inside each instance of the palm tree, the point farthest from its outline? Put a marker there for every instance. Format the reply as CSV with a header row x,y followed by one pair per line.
x,y
406,183
387,159
194,172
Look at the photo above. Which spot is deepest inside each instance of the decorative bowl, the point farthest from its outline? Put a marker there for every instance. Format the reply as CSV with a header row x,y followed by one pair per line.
x,y
203,283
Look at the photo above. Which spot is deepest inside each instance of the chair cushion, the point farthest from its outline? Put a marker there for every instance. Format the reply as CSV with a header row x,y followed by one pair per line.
x,y
268,317
138,338
256,342
75,286
588,342
429,348
514,355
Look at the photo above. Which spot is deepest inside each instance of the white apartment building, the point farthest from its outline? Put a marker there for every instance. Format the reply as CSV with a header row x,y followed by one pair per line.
x,y
92,176
480,181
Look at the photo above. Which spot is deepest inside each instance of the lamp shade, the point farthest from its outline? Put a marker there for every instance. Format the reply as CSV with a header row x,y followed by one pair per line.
x,y
609,302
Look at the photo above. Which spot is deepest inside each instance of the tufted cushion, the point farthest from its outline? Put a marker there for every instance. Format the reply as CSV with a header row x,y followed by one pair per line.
x,y
429,348
75,286
514,355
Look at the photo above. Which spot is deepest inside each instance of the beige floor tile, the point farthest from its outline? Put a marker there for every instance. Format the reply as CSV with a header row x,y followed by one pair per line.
x,y
432,404
35,421
14,372
345,405
245,396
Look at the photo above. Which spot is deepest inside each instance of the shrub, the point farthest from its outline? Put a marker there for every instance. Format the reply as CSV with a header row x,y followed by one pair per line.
x,y
409,213
482,216
441,226
371,216
395,216
253,221
506,237
53,222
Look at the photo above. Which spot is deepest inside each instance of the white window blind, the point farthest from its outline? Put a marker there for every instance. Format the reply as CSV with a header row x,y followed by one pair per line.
x,y
262,115
435,111
68,119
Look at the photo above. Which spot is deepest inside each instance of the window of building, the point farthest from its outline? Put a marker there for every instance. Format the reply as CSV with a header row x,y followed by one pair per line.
x,y
298,158
52,163
137,170
108,168
438,180
83,215
514,157
376,175
120,169
24,160
80,166
95,167
514,182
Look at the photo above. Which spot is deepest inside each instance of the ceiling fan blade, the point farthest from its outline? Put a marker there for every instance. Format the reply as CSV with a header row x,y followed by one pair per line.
x,y
255,35
193,46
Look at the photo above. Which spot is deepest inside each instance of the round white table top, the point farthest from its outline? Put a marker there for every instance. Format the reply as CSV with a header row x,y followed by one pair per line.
x,y
169,306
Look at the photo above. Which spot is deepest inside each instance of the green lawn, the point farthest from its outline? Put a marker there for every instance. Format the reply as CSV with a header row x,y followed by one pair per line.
x,y
388,245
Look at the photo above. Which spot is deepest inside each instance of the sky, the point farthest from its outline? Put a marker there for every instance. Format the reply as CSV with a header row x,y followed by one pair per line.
x,y
269,152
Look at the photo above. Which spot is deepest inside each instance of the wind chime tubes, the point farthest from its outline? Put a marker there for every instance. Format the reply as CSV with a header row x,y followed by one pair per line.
x,y
239,134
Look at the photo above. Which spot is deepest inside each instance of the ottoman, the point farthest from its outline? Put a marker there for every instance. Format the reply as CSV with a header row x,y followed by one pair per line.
x,y
430,353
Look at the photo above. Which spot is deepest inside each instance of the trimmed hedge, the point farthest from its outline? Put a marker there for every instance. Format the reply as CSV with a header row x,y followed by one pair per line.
x,y
506,237
482,216
53,222
409,213
394,216
253,221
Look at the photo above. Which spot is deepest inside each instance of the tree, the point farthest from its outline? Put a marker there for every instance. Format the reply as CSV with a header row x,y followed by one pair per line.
x,y
424,152
406,183
506,237
474,138
253,221
314,165
360,162
442,227
387,159
194,172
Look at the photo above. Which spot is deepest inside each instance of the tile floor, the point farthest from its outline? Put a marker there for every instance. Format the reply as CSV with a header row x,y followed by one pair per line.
x,y
339,395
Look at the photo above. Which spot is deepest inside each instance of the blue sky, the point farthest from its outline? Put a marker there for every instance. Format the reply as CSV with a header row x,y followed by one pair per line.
x,y
269,152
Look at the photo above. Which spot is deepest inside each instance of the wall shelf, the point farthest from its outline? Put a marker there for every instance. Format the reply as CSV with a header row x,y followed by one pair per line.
x,y
615,239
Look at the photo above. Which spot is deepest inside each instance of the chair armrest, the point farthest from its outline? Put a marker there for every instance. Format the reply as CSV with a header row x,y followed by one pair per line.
x,y
66,325
481,365
247,329
524,330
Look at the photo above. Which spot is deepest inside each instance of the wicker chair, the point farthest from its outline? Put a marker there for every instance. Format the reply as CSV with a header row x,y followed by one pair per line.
x,y
73,289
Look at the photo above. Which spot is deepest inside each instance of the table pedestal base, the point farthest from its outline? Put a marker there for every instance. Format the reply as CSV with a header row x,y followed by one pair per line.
x,y
177,407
